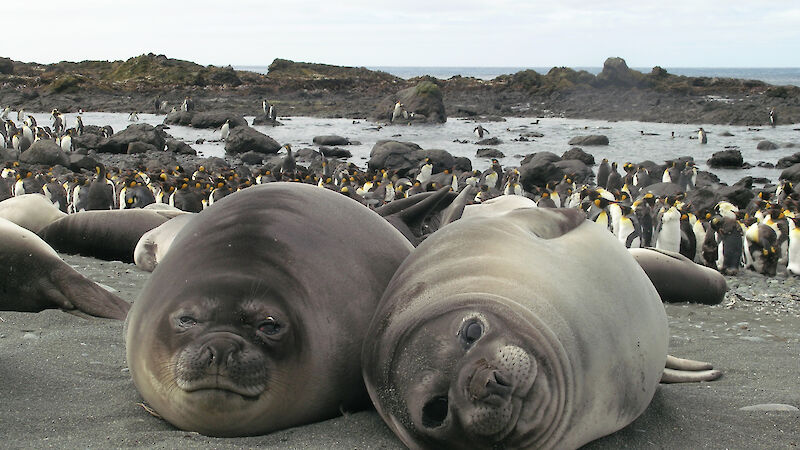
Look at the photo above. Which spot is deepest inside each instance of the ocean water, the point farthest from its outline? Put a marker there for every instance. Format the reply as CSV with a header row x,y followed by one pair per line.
x,y
777,76
626,142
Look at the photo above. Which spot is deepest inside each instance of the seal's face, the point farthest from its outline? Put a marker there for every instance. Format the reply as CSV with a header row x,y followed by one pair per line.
x,y
226,362
464,379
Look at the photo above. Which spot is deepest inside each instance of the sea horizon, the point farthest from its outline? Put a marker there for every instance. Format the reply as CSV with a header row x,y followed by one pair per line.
x,y
779,76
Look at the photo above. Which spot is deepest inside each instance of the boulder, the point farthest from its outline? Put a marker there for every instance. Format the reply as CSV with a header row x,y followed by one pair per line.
x,y
244,139
540,157
179,147
331,140
731,158
335,152
405,157
792,174
702,199
489,153
252,158
462,164
140,147
88,141
538,170
6,66
264,120
215,119
395,155
740,193
78,162
592,139
45,152
575,169
489,141
579,154
423,102
617,73
180,118
788,161
766,145
139,132
531,134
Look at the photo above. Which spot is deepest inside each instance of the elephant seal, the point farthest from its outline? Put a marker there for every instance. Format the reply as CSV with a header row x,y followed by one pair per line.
x,y
153,245
34,278
533,328
30,211
111,235
254,320
678,279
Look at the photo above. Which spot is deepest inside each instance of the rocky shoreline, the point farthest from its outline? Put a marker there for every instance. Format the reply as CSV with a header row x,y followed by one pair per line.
x,y
319,90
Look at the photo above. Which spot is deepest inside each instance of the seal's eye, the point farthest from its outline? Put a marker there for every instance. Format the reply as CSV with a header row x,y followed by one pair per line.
x,y
434,412
471,332
187,321
269,326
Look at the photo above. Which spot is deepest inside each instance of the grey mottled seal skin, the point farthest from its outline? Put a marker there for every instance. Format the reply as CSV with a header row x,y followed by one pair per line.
x,y
678,279
531,329
34,278
30,211
153,245
255,319
111,234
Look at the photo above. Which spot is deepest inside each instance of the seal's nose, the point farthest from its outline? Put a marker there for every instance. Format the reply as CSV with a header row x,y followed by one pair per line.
x,y
218,353
488,382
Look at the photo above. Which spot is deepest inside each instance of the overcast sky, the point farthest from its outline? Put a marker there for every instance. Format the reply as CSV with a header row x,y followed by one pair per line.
x,y
508,33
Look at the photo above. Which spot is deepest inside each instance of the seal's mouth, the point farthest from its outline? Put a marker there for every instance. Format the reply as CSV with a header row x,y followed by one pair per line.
x,y
221,384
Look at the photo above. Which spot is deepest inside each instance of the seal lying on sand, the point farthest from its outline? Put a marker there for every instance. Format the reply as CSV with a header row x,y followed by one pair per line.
x,y
254,320
678,279
531,329
34,278
110,235
30,211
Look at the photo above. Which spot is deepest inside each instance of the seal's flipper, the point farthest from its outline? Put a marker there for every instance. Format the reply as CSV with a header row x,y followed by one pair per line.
x,y
85,295
456,208
687,376
550,223
410,215
679,370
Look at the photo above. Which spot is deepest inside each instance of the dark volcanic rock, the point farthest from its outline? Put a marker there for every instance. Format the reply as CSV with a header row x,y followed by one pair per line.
x,y
244,139
180,118
140,147
264,120
45,152
489,153
180,147
6,66
424,99
140,132
335,152
489,141
731,158
405,157
88,141
252,158
538,169
463,164
78,162
539,157
702,199
792,174
396,155
331,140
592,139
580,155
788,161
767,145
215,119
575,169
739,193
616,73
532,134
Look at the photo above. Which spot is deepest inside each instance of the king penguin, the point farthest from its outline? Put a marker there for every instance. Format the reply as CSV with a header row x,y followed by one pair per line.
x,y
793,265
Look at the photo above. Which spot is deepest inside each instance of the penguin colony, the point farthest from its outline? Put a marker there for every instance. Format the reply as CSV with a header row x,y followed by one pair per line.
x,y
763,236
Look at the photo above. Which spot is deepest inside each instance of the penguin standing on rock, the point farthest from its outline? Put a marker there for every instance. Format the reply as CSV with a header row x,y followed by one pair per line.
x,y
399,111
225,130
773,119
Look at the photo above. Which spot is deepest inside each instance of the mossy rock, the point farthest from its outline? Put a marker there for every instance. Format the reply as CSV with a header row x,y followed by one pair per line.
x,y
66,84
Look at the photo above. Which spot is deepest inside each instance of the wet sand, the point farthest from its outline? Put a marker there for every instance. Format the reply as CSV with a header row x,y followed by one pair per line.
x,y
65,382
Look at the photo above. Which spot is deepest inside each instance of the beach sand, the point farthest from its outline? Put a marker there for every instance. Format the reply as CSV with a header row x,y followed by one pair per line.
x,y
64,382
